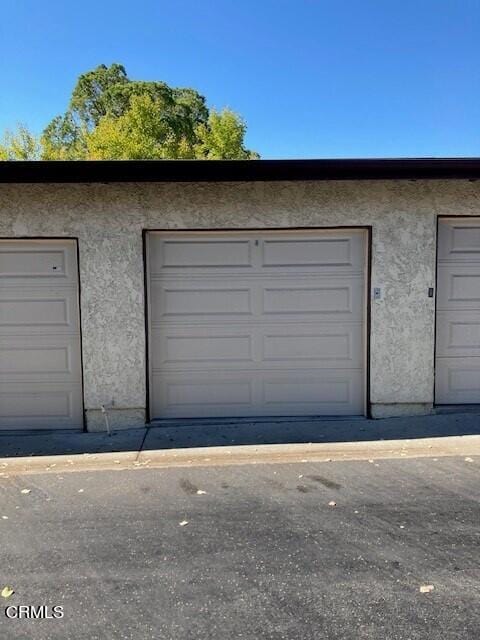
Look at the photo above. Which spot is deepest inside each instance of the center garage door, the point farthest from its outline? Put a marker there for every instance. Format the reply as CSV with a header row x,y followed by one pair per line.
x,y
257,323
40,370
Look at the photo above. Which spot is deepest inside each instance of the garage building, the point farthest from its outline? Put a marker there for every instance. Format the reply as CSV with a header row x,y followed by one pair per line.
x,y
167,290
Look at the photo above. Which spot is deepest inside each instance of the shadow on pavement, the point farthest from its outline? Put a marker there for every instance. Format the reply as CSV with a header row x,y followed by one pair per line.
x,y
313,430
66,442
202,433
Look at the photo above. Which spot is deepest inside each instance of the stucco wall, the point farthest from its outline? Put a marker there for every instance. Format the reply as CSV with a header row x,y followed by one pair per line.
x,y
108,222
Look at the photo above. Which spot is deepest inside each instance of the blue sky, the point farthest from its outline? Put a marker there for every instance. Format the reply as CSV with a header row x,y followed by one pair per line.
x,y
312,78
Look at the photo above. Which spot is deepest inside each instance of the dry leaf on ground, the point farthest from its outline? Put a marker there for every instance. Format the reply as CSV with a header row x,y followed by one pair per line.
x,y
426,588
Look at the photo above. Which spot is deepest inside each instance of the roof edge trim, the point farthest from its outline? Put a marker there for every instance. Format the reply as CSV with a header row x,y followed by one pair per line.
x,y
85,171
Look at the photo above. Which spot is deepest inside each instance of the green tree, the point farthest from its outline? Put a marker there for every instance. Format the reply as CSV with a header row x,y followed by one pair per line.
x,y
222,138
110,116
20,144
97,94
142,132
64,139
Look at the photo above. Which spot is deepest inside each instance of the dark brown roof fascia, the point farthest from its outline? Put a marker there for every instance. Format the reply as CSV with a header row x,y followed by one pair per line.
x,y
239,170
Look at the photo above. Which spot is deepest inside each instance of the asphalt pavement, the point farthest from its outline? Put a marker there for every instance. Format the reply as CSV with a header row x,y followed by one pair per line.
x,y
379,549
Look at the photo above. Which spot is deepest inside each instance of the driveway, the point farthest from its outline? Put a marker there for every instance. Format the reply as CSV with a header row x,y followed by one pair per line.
x,y
261,553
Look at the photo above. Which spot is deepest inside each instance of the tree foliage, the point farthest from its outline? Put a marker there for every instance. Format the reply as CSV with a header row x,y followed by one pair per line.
x,y
144,131
96,94
111,117
19,145
64,138
222,136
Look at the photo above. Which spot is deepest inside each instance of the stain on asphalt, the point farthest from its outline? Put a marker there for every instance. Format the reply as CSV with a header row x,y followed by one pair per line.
x,y
188,486
329,484
275,484
303,489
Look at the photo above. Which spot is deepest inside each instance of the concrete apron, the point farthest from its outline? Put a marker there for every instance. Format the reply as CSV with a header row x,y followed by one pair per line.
x,y
466,445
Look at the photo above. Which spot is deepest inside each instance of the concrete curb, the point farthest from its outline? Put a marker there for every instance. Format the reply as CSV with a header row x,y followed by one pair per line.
x,y
244,454
63,463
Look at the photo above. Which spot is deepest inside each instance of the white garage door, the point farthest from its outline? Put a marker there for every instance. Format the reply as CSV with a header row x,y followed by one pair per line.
x,y
257,324
457,372
40,370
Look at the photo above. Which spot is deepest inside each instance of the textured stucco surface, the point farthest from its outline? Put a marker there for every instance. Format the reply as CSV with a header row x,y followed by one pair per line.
x,y
118,419
108,221
401,409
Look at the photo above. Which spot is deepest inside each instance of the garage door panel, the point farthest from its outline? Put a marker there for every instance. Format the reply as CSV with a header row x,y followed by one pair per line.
x,y
336,345
258,393
251,254
326,392
339,252
29,310
338,298
459,380
208,299
458,287
210,394
268,299
40,261
40,357
458,333
281,336
40,406
196,253
201,346
459,241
